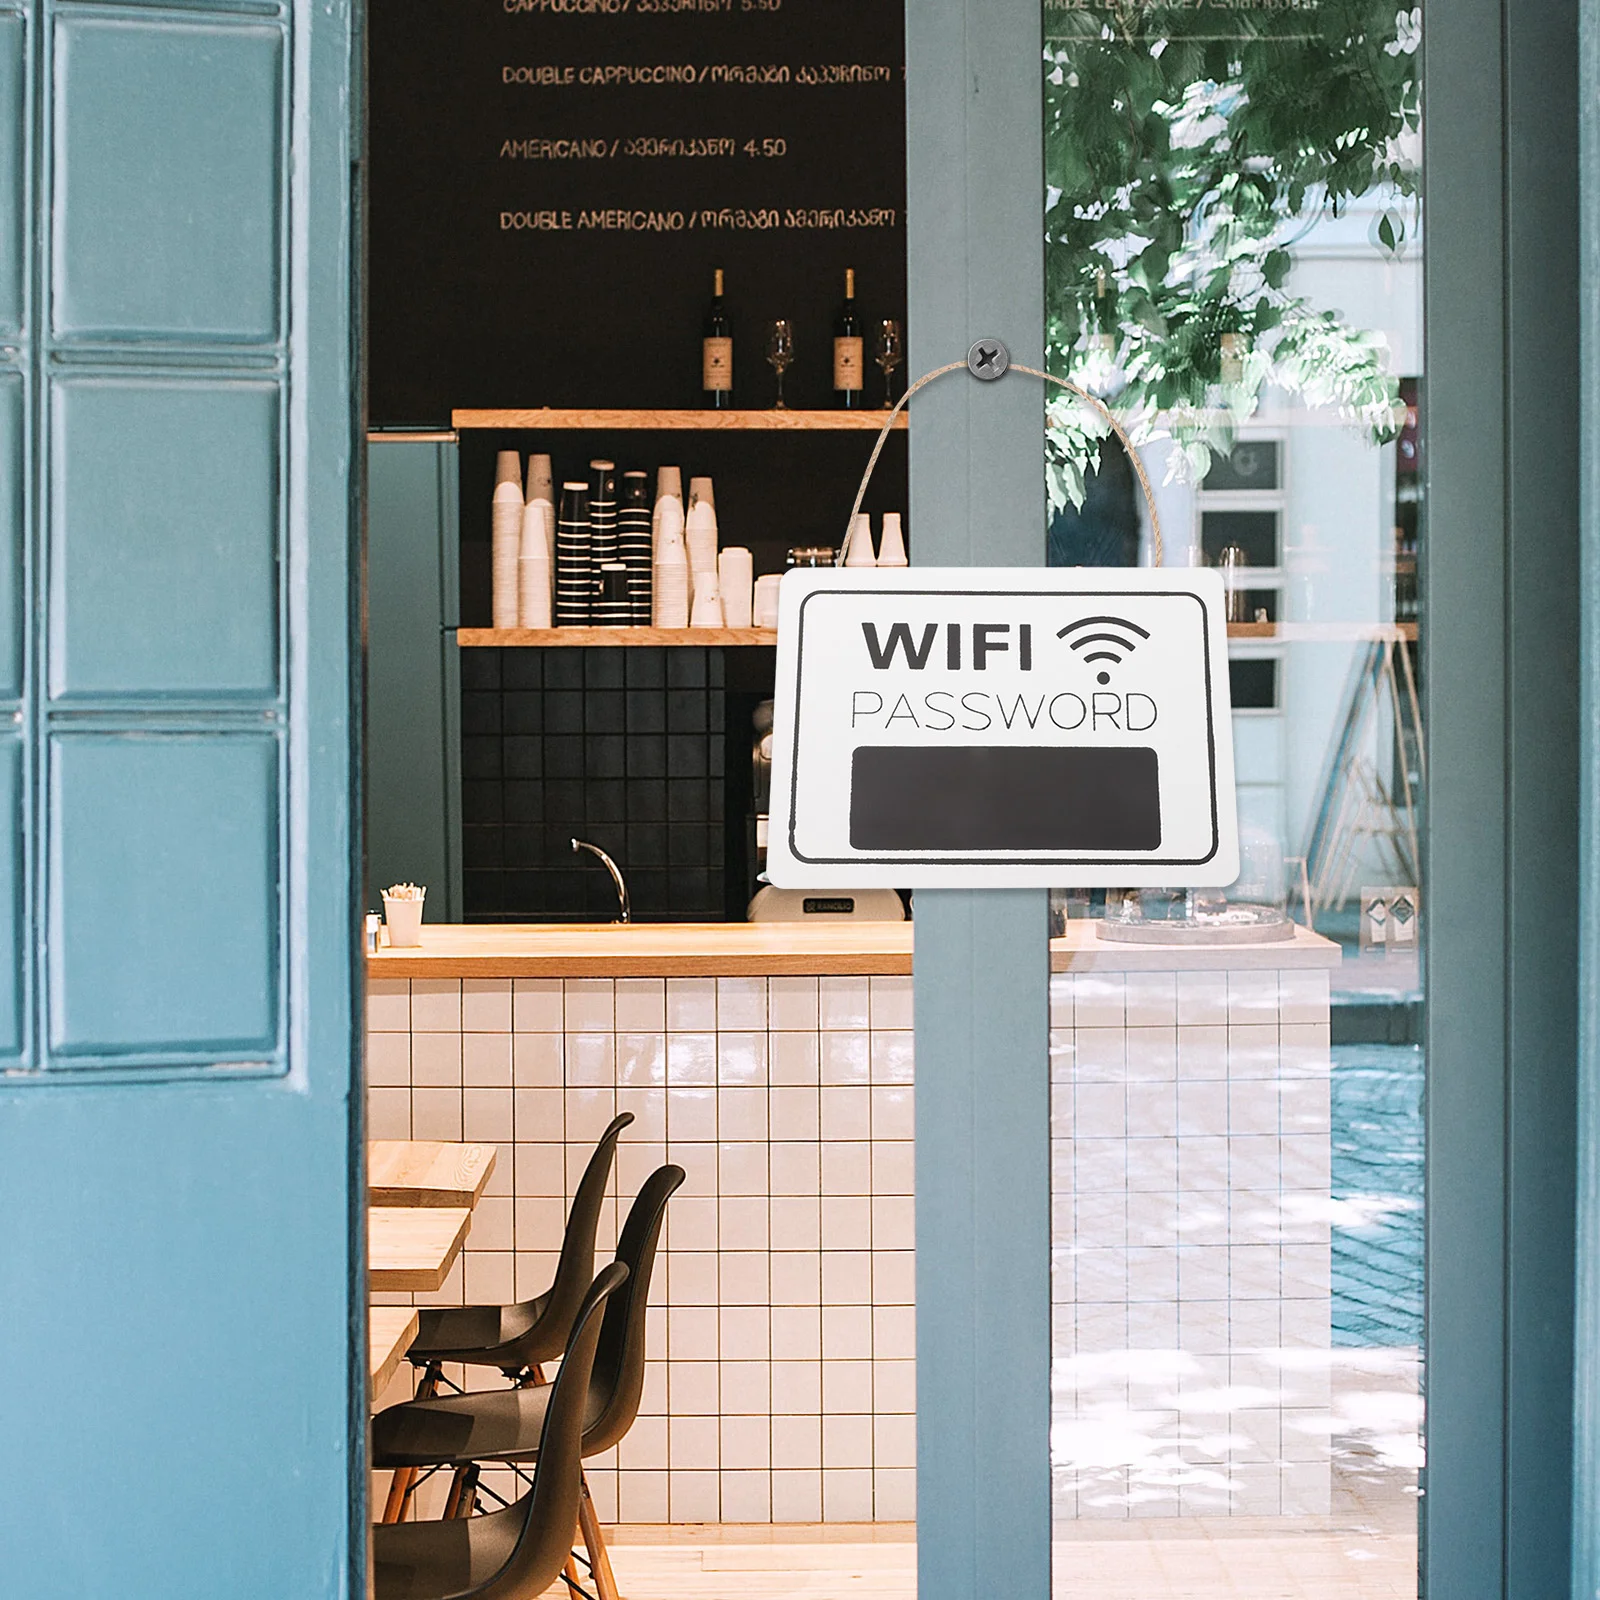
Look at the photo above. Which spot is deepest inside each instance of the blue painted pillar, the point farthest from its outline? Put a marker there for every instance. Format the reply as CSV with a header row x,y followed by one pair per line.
x,y
975,212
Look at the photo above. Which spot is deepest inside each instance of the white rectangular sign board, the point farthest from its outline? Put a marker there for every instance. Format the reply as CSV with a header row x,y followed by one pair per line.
x,y
989,727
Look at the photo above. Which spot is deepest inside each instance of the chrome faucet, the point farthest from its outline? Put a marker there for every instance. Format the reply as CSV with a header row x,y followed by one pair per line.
x,y
624,913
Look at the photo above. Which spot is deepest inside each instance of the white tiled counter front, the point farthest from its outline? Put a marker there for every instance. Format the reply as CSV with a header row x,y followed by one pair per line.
x,y
1190,1154
781,1382
1190,1150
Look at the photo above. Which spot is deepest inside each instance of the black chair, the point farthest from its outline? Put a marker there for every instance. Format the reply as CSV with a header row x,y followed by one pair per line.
x,y
508,1424
520,1338
519,1552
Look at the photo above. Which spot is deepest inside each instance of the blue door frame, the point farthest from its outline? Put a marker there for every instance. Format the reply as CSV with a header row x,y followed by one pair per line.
x,y
180,1258
1501,679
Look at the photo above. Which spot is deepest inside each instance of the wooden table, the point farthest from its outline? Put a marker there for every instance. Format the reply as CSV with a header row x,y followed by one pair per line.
x,y
414,1247
421,1172
390,1330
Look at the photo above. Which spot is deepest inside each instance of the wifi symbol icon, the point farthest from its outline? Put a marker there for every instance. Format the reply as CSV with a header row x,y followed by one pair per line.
x,y
1104,644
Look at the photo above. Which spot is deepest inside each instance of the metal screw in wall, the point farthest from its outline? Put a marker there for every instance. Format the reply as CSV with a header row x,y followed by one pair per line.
x,y
988,359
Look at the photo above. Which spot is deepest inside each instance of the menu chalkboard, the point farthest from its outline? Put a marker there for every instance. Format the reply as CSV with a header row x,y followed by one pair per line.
x,y
552,182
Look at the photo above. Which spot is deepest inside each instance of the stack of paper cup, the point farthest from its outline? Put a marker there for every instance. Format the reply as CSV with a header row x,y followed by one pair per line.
x,y
669,486
634,546
670,590
706,611
506,548
735,577
541,480
892,542
764,612
535,567
859,552
700,528
574,560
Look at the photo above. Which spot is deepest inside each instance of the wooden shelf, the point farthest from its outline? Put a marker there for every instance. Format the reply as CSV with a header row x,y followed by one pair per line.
x,y
701,421
592,638
732,638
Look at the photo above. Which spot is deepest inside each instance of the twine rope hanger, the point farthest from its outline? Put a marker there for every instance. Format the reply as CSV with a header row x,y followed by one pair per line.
x,y
1157,549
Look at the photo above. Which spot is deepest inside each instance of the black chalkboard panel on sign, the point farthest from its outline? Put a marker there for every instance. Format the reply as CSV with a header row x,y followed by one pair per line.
x,y
553,182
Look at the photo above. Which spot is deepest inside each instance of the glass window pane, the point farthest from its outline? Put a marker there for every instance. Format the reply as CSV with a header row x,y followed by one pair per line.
x,y
1234,263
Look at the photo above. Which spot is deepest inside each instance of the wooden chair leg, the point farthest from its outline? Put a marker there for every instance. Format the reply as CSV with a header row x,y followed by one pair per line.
x,y
405,1478
605,1582
452,1501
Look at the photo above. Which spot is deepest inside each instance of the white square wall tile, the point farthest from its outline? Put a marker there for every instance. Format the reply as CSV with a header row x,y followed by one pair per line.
x,y
894,1333
846,1440
642,1497
588,1112
436,1005
797,1496
641,1060
893,1111
894,1441
644,1446
492,1227
649,1126
797,1442
847,1167
796,1388
693,1334
490,1277
388,1059
894,1387
893,1166
796,1278
1302,996
693,1442
844,1003
692,1391
741,1005
746,1387
847,1111
796,1335
537,1060
1099,1000
691,1059
742,1167
792,1005
846,1058
741,1114
744,1278
892,1056
1253,997
691,1223
742,1222
436,1060
486,1059
691,1005
846,1390
1100,1055
486,1005
846,1495
388,1005
641,1005
846,1223
745,1333
1202,999
894,1494
794,1114
388,1113
694,1496
692,1115
589,1005
691,1277
591,1060
894,1277
486,1115
436,1114
890,1002
1151,1000
847,1277
742,1060
894,1222
794,1060
795,1222
796,1168
540,1171
847,1334
536,1005
746,1496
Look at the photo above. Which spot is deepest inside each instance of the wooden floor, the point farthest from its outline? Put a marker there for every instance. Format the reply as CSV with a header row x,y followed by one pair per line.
x,y
1238,1558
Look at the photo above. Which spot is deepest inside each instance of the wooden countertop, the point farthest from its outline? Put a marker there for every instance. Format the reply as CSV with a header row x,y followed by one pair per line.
x,y
426,1172
390,1330
414,1247
777,949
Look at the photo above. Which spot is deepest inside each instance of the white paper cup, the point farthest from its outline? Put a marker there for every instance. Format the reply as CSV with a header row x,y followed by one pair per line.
x,y
403,918
765,610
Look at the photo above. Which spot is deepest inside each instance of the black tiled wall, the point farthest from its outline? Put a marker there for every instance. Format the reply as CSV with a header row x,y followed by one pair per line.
x,y
626,748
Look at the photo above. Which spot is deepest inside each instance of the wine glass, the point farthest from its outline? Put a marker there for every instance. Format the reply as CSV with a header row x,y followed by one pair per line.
x,y
890,353
780,352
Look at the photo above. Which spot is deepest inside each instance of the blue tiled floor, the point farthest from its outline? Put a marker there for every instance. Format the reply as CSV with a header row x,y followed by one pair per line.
x,y
1377,1191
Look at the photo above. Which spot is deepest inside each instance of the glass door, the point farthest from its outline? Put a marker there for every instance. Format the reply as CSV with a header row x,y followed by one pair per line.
x,y
1234,240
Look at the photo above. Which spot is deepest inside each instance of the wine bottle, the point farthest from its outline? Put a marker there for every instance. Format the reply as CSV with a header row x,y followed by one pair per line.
x,y
849,357
716,351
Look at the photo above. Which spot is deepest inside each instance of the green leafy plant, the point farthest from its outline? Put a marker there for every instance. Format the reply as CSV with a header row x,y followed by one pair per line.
x,y
1186,148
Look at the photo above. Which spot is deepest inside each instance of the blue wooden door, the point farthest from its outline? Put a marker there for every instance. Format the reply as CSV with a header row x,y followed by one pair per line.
x,y
177,940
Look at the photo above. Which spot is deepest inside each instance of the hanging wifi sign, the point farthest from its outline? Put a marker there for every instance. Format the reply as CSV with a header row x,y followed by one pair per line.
x,y
958,727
